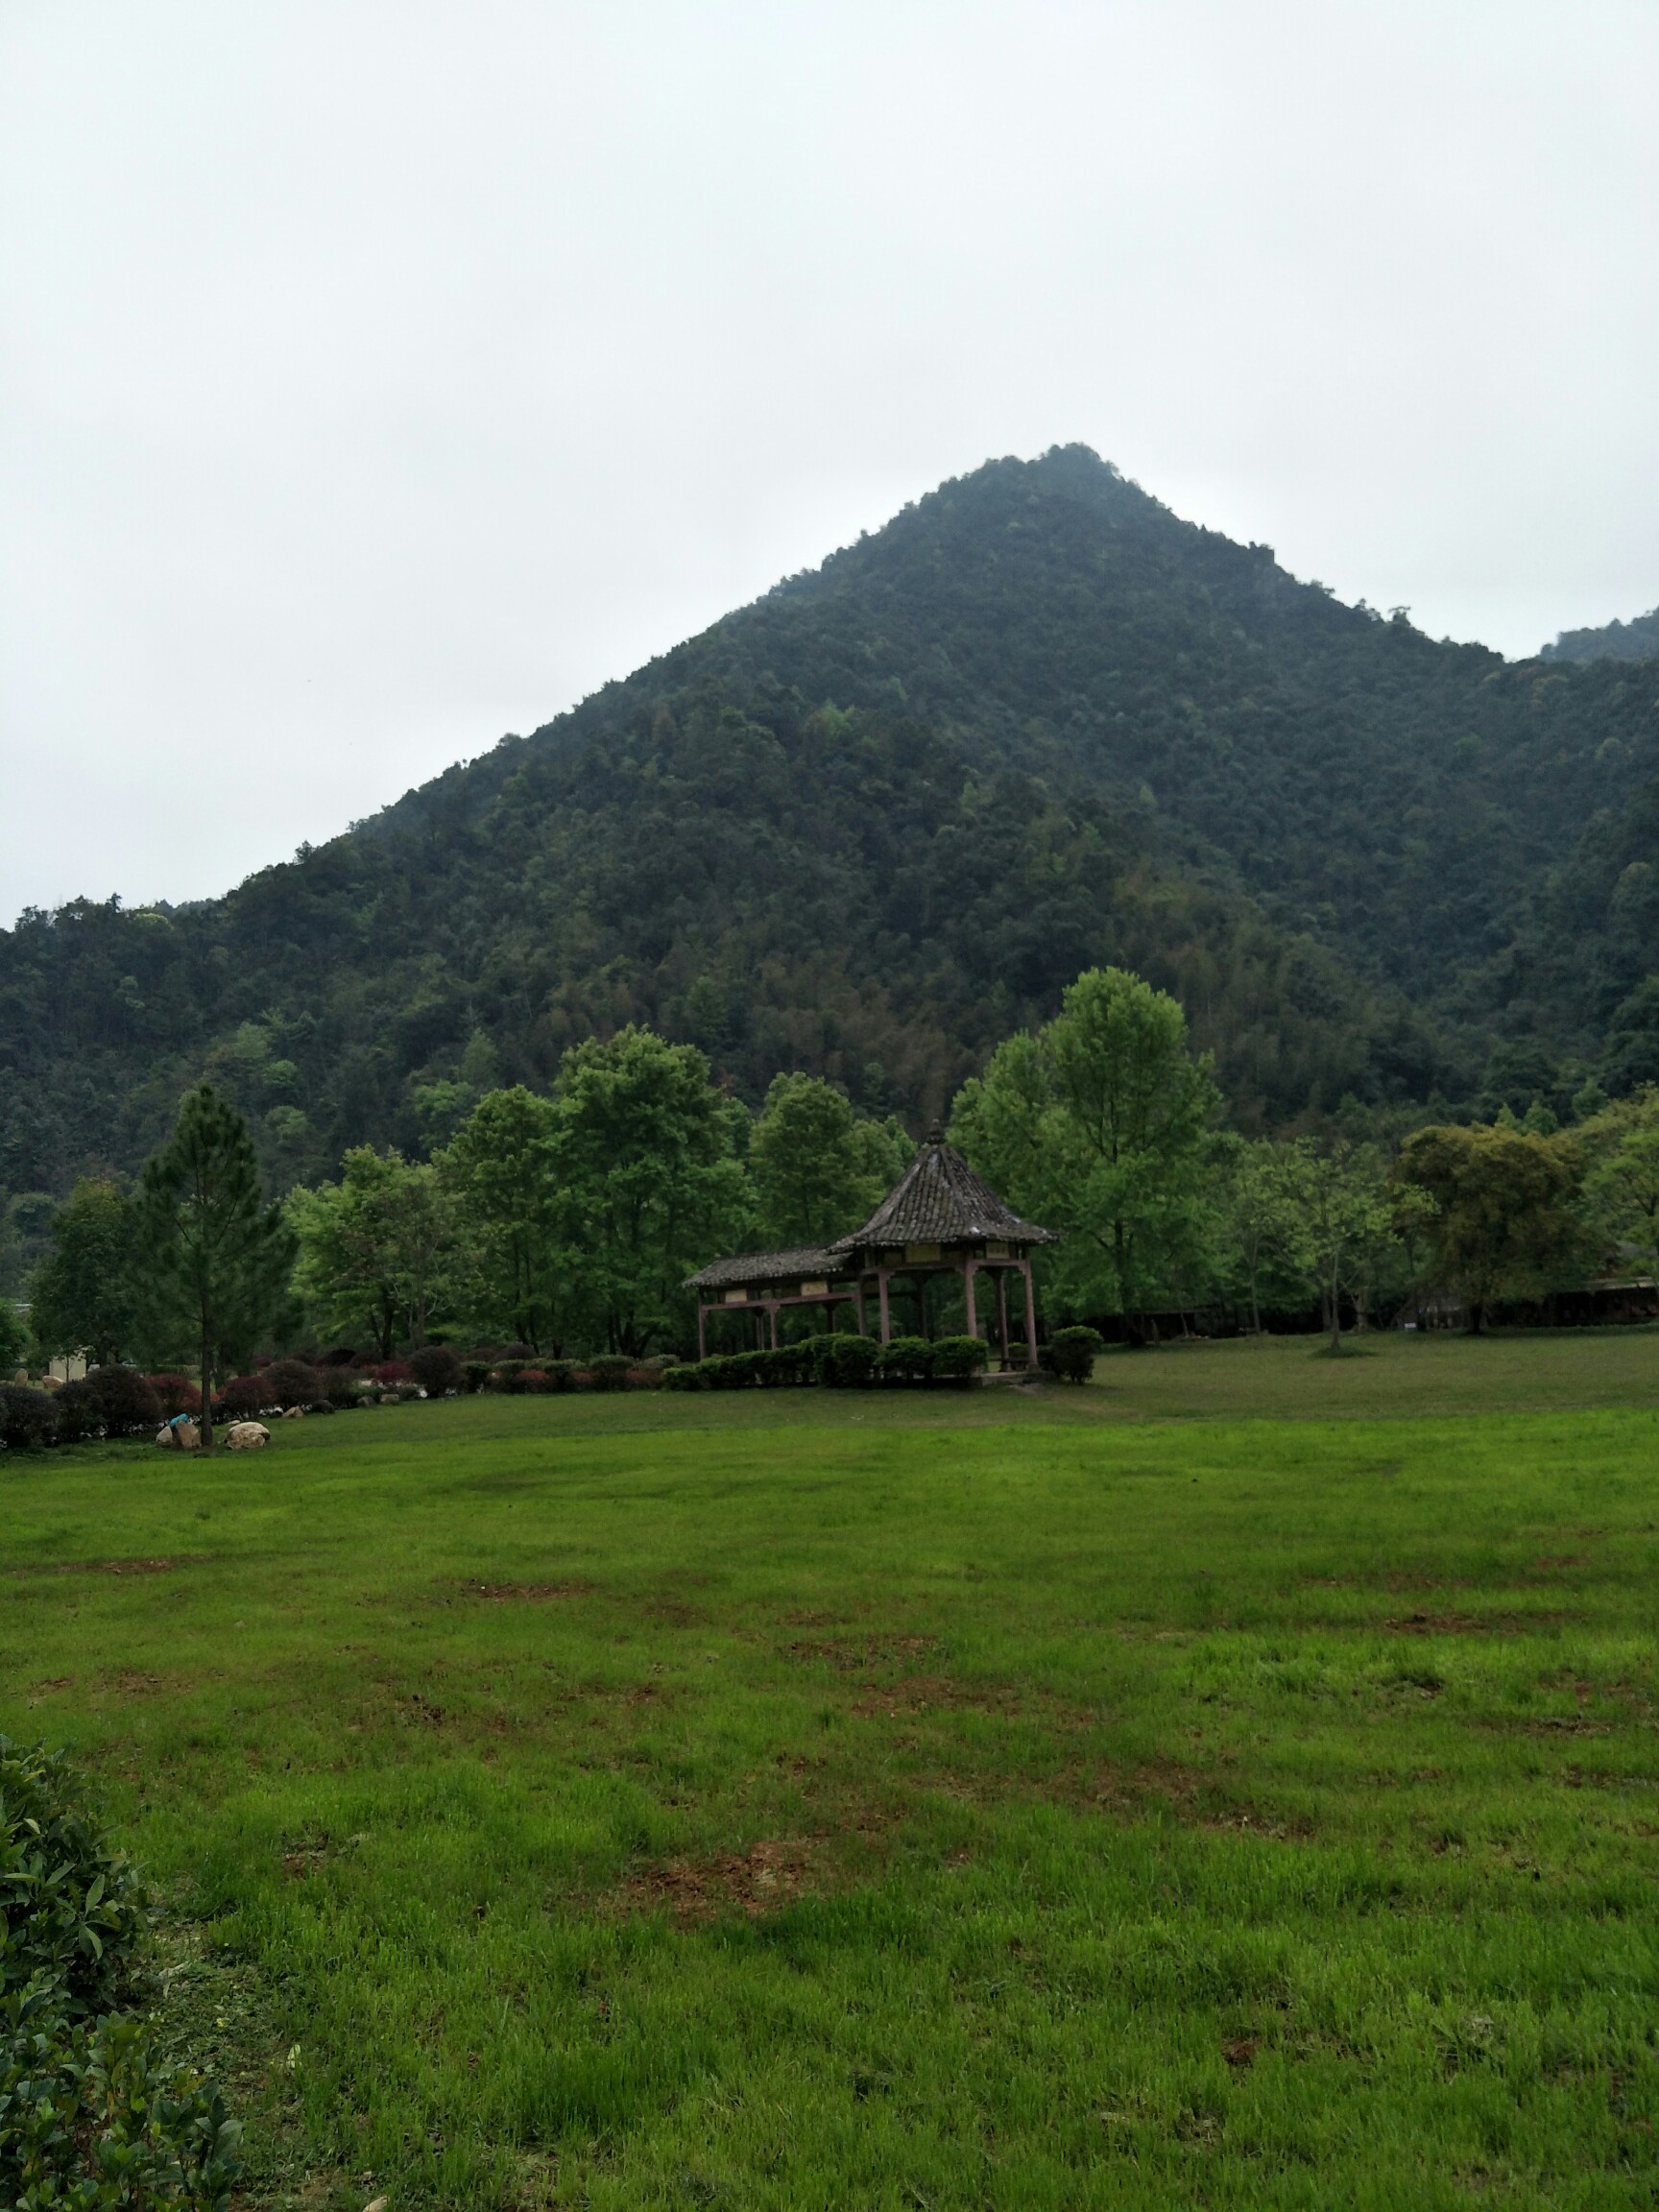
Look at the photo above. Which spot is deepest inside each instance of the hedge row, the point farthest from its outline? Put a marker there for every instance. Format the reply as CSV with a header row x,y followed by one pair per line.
x,y
839,1361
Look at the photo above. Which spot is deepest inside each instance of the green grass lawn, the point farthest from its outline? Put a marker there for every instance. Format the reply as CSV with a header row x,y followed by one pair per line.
x,y
793,1799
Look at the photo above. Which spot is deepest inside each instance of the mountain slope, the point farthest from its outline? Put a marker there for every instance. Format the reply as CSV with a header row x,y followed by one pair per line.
x,y
874,820
1637,640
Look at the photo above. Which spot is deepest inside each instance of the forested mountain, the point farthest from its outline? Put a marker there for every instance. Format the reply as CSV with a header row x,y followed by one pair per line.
x,y
872,822
1637,640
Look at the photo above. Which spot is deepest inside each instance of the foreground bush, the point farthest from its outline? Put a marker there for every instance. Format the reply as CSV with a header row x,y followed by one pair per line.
x,y
1069,1353
91,2119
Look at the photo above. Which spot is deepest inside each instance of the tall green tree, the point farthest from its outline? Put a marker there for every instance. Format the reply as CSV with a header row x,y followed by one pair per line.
x,y
13,1339
503,1168
377,1249
1621,1184
1504,1224
651,1156
83,1296
818,1167
1341,1196
1098,1126
1259,1222
214,1255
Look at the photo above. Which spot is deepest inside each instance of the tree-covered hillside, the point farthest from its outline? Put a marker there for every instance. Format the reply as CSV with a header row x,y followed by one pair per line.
x,y
1637,640
871,824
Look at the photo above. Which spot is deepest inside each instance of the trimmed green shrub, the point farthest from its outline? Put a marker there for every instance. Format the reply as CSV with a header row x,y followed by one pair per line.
x,y
28,1418
475,1374
610,1370
845,1362
959,1359
905,1359
1069,1353
787,1364
560,1375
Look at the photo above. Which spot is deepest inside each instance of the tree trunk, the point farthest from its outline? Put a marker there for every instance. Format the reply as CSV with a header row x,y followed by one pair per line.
x,y
207,1390
1335,1309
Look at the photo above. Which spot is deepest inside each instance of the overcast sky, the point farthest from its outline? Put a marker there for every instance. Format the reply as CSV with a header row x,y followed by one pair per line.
x,y
375,378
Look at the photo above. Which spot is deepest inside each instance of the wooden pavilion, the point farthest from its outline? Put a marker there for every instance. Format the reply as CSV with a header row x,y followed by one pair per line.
x,y
939,1218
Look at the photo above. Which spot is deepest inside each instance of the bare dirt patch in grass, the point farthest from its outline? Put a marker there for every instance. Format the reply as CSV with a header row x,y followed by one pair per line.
x,y
1199,1798
156,1566
1477,1623
861,1655
755,1881
527,1593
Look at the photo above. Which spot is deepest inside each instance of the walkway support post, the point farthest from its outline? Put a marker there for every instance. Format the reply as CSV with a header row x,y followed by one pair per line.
x,y
1030,1315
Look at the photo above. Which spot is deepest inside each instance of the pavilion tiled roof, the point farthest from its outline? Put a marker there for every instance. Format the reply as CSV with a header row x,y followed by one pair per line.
x,y
804,1263
940,1200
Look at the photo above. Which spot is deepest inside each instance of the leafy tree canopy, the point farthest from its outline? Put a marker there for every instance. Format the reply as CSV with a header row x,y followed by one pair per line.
x,y
83,1296
1097,1127
818,1167
214,1258
1503,1224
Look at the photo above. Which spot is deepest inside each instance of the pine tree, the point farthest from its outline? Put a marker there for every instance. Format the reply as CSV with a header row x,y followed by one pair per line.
x,y
217,1256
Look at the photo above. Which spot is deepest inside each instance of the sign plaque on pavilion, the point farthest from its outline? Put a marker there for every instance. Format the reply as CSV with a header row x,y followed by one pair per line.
x,y
939,1218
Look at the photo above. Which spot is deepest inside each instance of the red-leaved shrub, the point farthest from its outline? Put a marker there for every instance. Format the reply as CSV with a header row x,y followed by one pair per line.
x,y
175,1394
242,1397
127,1406
290,1383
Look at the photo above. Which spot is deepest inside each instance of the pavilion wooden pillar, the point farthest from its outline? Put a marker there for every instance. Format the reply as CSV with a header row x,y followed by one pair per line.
x,y
1030,1315
1002,1310
702,1330
882,1294
772,1317
970,1269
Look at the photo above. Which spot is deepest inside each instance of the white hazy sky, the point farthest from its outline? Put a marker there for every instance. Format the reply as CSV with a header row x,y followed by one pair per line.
x,y
378,376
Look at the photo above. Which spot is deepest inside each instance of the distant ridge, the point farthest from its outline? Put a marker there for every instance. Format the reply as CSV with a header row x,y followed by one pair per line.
x,y
877,819
1637,640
